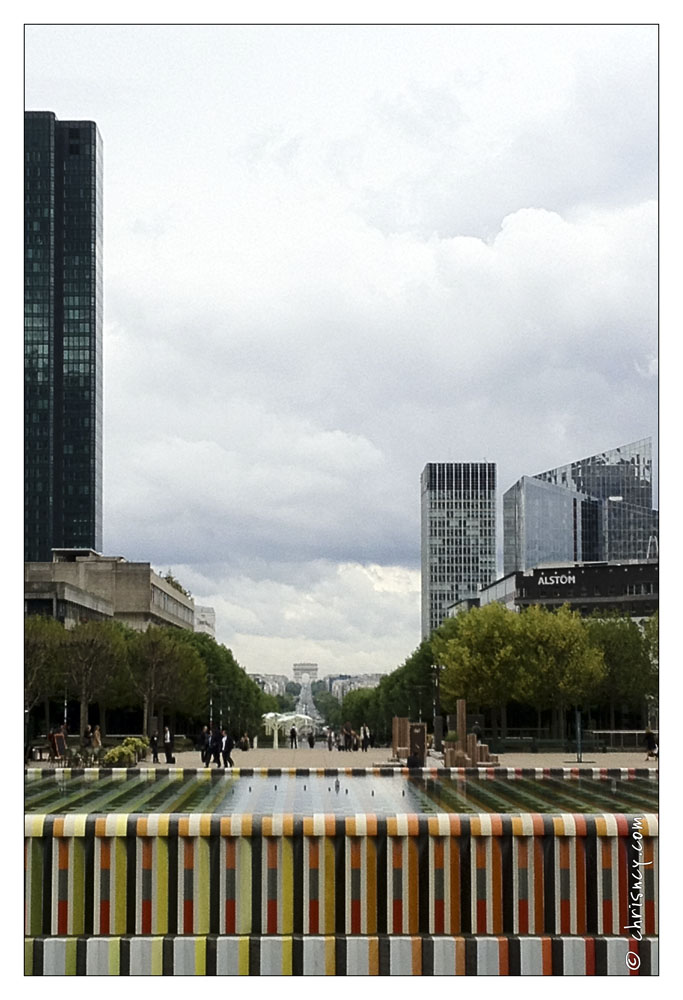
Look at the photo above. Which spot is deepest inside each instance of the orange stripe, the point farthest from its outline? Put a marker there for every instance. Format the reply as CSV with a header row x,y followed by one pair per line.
x,y
417,956
460,956
538,887
188,853
412,889
373,957
580,853
454,873
503,957
547,947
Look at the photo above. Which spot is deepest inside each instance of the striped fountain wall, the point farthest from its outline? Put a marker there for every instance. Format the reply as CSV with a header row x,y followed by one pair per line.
x,y
326,894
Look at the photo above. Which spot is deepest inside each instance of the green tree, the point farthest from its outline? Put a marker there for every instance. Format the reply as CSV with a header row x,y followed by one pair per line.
x,y
329,707
628,677
481,657
44,640
560,668
166,673
95,655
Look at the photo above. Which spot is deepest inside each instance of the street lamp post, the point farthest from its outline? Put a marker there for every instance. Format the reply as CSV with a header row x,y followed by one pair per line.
x,y
436,706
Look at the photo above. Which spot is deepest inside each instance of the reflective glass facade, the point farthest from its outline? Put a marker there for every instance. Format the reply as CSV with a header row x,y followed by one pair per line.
x,y
596,509
458,535
62,335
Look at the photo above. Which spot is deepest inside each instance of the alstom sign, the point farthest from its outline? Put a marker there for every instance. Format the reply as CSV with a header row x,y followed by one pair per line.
x,y
555,578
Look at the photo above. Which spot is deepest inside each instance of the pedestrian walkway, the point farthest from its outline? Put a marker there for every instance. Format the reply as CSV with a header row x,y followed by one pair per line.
x,y
304,757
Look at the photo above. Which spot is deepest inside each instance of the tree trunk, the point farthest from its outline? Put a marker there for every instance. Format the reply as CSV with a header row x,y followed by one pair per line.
x,y
504,720
84,711
145,716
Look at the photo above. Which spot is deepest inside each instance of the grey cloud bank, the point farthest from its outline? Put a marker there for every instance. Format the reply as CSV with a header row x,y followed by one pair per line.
x,y
327,264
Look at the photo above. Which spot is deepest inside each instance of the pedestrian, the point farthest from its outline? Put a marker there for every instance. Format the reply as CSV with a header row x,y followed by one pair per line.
x,y
96,739
168,746
650,742
215,745
154,745
311,739
86,741
205,746
292,738
330,739
477,731
364,738
226,748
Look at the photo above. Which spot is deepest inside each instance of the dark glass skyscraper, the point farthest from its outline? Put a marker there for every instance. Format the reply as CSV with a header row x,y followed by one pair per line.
x,y
62,335
458,535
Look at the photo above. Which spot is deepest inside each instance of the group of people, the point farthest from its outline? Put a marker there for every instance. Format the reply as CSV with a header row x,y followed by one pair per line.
x,y
216,744
167,743
349,739
294,738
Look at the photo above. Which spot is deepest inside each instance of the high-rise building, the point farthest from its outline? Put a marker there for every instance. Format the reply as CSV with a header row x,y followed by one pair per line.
x,y
458,535
62,335
594,510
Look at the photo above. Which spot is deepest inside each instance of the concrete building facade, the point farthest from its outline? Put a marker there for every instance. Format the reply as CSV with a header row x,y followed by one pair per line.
x,y
81,584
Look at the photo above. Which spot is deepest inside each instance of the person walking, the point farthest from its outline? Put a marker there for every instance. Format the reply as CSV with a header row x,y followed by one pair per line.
x,y
226,748
205,746
215,745
154,746
168,746
292,738
650,742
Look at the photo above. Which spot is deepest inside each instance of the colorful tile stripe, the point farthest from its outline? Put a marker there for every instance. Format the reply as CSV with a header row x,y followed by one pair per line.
x,y
377,955
404,875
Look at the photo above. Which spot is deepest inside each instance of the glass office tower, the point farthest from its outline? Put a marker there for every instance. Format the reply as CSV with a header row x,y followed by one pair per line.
x,y
458,535
62,335
594,510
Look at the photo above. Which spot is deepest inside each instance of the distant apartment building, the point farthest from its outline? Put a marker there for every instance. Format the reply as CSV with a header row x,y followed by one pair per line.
x,y
81,585
205,620
597,509
458,529
274,684
340,687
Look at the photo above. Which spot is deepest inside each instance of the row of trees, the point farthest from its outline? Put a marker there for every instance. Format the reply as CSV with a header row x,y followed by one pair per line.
x,y
539,660
163,671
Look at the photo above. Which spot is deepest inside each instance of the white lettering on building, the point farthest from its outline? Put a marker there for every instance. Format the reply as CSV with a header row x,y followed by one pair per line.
x,y
548,581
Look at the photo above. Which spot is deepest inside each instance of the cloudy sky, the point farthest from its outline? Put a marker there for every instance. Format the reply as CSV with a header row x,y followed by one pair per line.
x,y
333,254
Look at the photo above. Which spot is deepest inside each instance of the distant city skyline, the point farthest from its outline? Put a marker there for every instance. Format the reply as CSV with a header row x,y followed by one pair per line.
x,y
335,253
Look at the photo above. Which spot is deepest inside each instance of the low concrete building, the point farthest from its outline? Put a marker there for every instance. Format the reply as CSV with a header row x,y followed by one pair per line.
x,y
82,585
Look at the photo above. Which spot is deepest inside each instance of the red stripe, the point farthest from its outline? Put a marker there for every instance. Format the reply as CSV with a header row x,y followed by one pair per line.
x,y
104,916
398,916
146,916
62,916
439,916
565,916
481,915
230,916
272,916
524,916
355,916
590,956
188,908
313,915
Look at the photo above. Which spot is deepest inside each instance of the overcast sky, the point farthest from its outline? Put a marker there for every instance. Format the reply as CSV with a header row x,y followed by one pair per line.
x,y
333,254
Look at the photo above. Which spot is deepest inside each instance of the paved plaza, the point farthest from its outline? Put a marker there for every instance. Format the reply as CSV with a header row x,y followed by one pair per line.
x,y
284,757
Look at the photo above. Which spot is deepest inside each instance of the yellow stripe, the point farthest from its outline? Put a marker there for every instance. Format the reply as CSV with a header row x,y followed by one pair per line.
x,y
287,956
371,885
118,884
200,956
70,957
201,886
28,957
243,956
114,966
157,958
330,965
329,886
373,957
243,916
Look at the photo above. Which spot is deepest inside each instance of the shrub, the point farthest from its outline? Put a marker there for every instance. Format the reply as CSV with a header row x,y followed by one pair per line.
x,y
121,756
451,736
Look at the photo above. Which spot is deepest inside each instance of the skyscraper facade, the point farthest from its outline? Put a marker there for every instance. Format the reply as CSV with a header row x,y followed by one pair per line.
x,y
62,335
593,510
458,535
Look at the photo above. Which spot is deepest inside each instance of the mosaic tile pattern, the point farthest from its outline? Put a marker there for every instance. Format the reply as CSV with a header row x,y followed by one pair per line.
x,y
378,955
360,875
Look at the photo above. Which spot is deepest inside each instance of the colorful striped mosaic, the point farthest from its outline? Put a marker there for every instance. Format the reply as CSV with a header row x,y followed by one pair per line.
x,y
378,955
362,875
